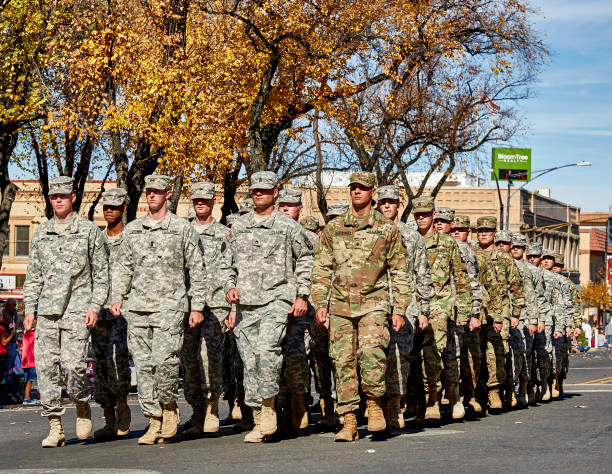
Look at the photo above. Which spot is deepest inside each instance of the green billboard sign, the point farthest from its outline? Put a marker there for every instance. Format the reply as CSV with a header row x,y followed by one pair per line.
x,y
511,164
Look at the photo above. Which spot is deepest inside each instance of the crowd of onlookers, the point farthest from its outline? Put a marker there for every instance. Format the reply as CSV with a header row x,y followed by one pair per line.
x,y
594,336
17,365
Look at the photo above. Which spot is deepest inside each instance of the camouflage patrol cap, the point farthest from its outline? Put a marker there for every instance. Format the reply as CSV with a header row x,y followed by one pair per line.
x,y
60,185
247,205
474,243
202,190
519,240
423,204
290,195
191,214
263,180
560,259
462,221
230,219
388,192
363,177
486,222
157,181
445,213
337,208
310,223
114,197
503,236
534,248
548,253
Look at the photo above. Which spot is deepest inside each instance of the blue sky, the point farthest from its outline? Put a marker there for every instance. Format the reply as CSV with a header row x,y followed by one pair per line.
x,y
570,117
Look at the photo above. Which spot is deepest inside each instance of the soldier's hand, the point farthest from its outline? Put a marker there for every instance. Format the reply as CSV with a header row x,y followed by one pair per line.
x,y
557,334
497,327
397,322
532,329
322,318
232,296
577,332
568,332
195,318
474,323
514,322
28,322
115,309
299,307
541,326
91,319
423,322
230,321
461,323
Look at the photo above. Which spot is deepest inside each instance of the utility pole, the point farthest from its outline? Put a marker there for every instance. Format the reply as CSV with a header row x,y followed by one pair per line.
x,y
508,205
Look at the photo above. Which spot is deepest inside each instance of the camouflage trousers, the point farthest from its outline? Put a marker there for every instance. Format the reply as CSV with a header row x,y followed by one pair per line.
x,y
259,334
557,355
322,364
398,357
296,372
471,358
497,355
358,345
520,369
111,360
567,347
233,372
202,359
155,340
61,349
542,346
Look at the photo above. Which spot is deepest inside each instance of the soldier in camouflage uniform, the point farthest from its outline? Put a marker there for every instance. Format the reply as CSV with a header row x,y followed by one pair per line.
x,y
417,314
311,223
267,269
336,209
109,338
451,309
360,253
471,354
150,271
203,345
66,285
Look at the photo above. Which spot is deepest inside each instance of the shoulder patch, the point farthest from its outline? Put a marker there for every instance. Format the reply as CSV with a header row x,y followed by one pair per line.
x,y
229,235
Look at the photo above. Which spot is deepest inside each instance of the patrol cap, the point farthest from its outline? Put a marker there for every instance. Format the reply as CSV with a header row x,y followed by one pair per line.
x,y
264,180
157,181
114,197
247,205
290,195
363,177
337,208
548,253
486,222
191,214
310,223
202,190
519,240
462,221
560,259
473,243
503,236
388,192
230,219
60,185
445,213
534,248
423,204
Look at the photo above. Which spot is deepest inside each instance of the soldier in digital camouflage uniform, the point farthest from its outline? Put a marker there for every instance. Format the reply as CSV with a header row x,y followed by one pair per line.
x,y
230,219
109,338
203,345
157,251
336,209
450,308
417,314
471,354
360,253
66,285
496,333
267,269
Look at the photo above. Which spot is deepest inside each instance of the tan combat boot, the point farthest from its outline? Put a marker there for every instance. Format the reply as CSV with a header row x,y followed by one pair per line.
x,y
153,434
83,421
211,418
124,417
495,402
376,418
544,391
170,420
255,436
394,412
475,405
236,411
56,437
108,431
458,409
555,387
522,398
196,423
268,417
299,417
432,412
349,430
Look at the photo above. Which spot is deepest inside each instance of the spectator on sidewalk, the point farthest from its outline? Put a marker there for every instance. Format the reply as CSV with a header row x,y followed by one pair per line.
x,y
7,332
28,364
11,317
601,339
609,332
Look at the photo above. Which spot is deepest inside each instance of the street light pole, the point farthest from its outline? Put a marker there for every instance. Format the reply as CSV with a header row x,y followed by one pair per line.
x,y
508,206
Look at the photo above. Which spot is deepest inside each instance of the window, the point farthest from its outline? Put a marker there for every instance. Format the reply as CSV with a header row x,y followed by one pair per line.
x,y
22,240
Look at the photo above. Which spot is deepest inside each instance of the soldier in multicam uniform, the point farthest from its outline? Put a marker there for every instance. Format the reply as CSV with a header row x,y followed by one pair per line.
x,y
267,269
471,354
417,314
66,285
360,253
109,338
150,271
311,223
203,345
451,310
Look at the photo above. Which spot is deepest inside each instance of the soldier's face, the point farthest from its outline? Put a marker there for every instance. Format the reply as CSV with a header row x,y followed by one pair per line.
x,y
548,263
361,195
388,208
156,198
264,198
557,268
291,209
460,233
423,220
534,260
443,226
517,252
504,246
486,236
113,214
203,207
62,204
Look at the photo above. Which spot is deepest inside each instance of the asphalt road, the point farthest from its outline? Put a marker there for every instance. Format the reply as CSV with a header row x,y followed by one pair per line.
x,y
570,435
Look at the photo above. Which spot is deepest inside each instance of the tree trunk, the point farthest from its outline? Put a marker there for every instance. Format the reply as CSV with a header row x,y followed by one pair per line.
x,y
321,199
177,190
230,186
8,142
